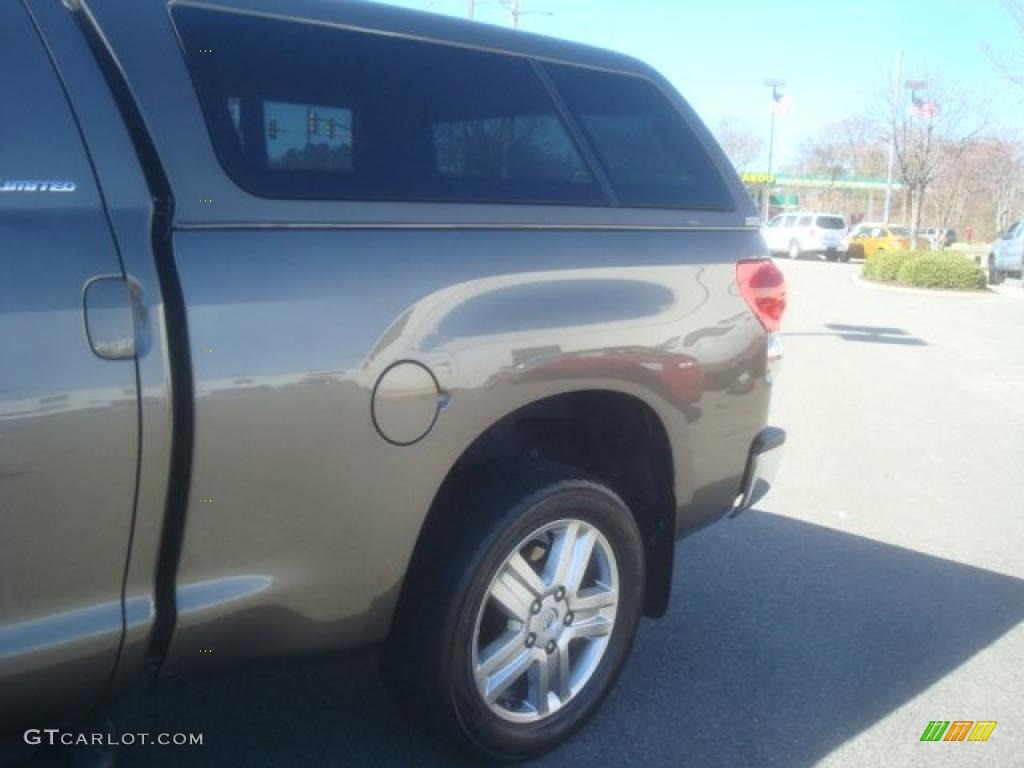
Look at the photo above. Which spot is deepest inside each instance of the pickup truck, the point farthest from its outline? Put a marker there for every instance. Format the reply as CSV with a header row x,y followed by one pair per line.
x,y
1007,256
329,325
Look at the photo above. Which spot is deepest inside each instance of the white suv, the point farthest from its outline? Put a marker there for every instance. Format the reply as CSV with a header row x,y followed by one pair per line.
x,y
821,234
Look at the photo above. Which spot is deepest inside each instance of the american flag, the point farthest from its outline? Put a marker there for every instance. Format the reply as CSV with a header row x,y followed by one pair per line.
x,y
780,104
921,108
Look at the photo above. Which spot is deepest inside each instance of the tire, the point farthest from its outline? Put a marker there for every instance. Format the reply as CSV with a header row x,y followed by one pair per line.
x,y
995,276
455,614
844,257
794,249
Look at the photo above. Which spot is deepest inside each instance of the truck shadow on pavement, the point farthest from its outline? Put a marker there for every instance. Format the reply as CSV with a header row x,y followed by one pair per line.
x,y
784,640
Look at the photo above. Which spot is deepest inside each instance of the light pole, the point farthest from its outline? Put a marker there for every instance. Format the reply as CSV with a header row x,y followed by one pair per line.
x,y
892,139
917,107
775,83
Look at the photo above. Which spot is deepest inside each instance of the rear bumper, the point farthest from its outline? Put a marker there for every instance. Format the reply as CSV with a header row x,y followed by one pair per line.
x,y
762,464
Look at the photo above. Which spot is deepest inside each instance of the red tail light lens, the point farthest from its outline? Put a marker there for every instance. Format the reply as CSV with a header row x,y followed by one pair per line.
x,y
764,288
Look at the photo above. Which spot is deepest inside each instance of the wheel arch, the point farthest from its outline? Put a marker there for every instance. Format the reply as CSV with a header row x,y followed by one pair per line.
x,y
614,436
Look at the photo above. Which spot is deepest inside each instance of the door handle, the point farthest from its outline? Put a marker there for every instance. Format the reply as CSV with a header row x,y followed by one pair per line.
x,y
109,324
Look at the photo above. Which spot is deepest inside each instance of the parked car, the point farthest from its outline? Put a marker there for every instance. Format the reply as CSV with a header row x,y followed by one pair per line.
x,y
938,238
868,239
1007,254
399,331
814,234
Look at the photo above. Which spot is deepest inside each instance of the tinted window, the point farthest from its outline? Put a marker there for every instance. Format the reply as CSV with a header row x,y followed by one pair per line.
x,y
900,231
788,221
651,156
308,111
830,222
521,146
805,221
777,221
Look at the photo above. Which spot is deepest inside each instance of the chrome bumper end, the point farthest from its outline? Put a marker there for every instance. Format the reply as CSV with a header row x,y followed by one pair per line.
x,y
762,464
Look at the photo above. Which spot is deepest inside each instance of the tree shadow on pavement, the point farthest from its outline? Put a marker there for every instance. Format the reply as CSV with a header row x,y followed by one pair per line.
x,y
784,640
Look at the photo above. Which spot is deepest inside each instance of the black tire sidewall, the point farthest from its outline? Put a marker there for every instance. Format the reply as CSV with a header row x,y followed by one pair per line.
x,y
574,498
995,277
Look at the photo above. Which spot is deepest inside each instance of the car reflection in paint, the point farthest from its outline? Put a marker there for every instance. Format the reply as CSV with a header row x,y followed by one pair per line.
x,y
677,377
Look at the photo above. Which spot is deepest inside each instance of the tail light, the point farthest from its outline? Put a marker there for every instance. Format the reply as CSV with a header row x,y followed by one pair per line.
x,y
764,289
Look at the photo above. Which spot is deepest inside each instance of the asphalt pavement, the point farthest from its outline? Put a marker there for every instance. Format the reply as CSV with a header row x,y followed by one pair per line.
x,y
878,587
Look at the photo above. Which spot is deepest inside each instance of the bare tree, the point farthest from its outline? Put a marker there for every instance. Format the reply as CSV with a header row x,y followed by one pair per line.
x,y
962,177
515,12
824,156
1004,174
983,185
853,147
864,146
952,189
742,144
932,133
1011,63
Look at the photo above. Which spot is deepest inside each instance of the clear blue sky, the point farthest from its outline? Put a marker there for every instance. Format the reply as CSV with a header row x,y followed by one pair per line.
x,y
831,52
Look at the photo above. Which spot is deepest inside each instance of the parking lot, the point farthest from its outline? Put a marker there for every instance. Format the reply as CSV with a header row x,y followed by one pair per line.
x,y
880,585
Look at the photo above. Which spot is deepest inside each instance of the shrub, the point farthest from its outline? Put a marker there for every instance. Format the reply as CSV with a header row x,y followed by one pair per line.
x,y
941,270
868,270
886,265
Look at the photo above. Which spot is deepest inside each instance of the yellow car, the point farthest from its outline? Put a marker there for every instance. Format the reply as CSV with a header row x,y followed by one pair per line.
x,y
868,239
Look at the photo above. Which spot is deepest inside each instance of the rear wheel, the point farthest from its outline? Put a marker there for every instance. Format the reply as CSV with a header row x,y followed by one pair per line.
x,y
518,617
995,276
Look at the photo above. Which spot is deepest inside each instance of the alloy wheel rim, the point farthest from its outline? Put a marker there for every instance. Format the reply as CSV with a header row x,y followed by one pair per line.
x,y
545,622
